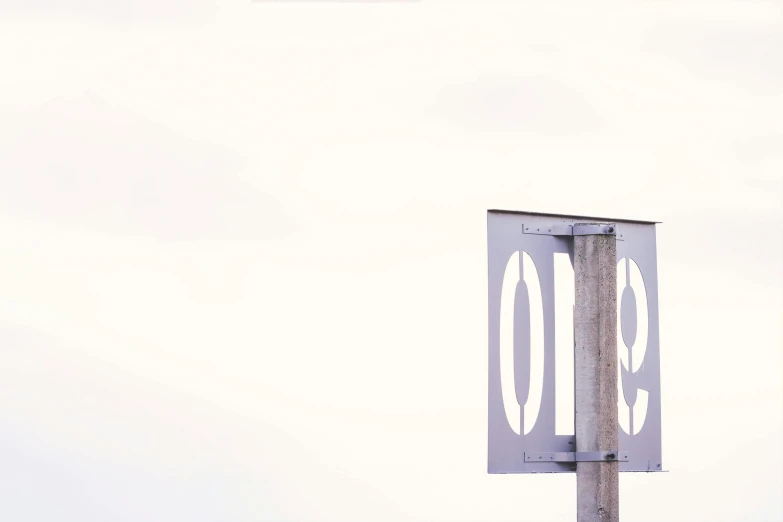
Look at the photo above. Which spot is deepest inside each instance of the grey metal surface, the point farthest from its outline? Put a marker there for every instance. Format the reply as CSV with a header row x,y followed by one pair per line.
x,y
577,456
639,409
572,217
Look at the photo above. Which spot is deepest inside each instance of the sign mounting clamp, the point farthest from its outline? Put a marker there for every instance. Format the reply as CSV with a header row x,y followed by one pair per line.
x,y
609,229
577,456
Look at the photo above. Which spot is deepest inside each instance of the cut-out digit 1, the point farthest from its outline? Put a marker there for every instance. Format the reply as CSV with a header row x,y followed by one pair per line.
x,y
564,345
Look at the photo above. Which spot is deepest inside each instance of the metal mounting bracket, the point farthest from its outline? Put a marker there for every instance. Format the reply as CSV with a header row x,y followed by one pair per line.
x,y
587,230
609,229
577,456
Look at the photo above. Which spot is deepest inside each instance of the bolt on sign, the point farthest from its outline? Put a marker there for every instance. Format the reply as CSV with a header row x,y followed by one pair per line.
x,y
531,343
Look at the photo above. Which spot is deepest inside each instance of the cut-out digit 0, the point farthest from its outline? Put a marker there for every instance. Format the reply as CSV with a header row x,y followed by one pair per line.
x,y
521,272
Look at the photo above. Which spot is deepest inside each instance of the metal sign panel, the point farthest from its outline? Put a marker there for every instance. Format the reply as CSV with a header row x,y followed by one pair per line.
x,y
531,292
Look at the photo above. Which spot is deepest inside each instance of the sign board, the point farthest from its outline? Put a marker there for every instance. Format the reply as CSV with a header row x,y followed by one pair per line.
x,y
531,342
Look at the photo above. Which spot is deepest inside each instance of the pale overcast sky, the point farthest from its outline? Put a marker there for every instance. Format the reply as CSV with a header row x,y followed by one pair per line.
x,y
243,274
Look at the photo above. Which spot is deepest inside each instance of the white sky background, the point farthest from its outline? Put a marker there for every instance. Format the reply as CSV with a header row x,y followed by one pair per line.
x,y
243,269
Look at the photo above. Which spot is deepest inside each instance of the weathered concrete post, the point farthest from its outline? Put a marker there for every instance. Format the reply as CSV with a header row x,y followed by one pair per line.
x,y
595,374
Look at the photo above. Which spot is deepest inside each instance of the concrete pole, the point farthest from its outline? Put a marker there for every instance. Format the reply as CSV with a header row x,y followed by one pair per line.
x,y
595,374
